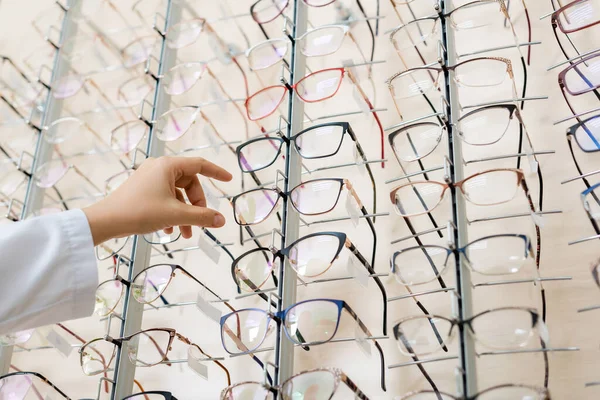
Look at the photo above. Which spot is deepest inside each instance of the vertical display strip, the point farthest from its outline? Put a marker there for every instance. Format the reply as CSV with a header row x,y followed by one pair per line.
x,y
34,197
468,383
284,352
133,310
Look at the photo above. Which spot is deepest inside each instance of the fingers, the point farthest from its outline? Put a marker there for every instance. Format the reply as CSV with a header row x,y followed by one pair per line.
x,y
186,214
189,166
193,190
186,230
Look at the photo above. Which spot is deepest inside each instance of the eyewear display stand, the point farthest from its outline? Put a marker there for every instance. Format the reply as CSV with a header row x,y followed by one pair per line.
x,y
34,198
467,376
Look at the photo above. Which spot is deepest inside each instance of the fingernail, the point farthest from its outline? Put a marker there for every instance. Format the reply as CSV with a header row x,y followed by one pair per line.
x,y
219,220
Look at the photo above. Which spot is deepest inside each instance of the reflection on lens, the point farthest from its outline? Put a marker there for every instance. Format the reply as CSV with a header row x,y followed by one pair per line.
x,y
414,83
108,295
414,33
312,322
505,329
309,385
420,264
417,198
61,129
259,154
110,248
422,335
323,41
184,33
323,141
149,284
265,102
320,85
416,142
498,255
255,206
138,51
245,330
481,73
312,256
316,197
484,127
175,123
578,15
15,387
146,396
477,15
160,237
267,54
96,356
247,391
253,270
491,188
127,136
588,134
148,348
20,337
67,86
48,174
182,78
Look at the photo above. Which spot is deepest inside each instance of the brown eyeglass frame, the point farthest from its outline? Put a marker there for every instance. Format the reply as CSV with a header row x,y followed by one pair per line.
x,y
118,342
459,185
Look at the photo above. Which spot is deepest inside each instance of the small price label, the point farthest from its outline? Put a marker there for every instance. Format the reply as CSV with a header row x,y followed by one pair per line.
x,y
358,272
206,308
195,364
208,249
361,340
352,209
59,343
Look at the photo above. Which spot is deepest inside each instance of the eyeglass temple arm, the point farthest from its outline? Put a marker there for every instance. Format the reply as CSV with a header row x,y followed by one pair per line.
x,y
224,368
400,336
371,270
364,328
357,392
83,342
363,155
139,385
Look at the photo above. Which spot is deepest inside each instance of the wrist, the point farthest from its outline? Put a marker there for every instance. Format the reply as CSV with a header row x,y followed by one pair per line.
x,y
103,225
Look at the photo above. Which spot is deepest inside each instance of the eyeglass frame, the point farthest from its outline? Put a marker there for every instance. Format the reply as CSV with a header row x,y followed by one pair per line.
x,y
279,318
343,241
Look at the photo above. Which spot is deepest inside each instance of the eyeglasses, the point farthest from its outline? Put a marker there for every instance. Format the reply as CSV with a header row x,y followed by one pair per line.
x,y
574,17
321,41
469,16
318,321
507,391
321,383
481,127
134,90
580,77
264,11
63,128
505,328
319,141
147,286
418,198
586,134
50,173
16,385
183,77
314,197
490,255
144,349
475,73
577,15
315,87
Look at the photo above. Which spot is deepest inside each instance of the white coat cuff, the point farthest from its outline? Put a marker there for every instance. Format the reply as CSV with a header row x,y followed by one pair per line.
x,y
82,262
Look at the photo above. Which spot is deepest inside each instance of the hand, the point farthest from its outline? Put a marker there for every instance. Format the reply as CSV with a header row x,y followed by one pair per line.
x,y
152,199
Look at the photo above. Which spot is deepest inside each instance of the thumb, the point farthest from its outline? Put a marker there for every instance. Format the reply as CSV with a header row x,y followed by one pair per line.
x,y
187,214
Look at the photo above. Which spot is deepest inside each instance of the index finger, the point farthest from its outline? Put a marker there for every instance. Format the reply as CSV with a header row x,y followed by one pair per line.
x,y
188,166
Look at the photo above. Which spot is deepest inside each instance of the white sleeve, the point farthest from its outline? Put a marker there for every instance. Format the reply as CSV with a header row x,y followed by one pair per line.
x,y
48,271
